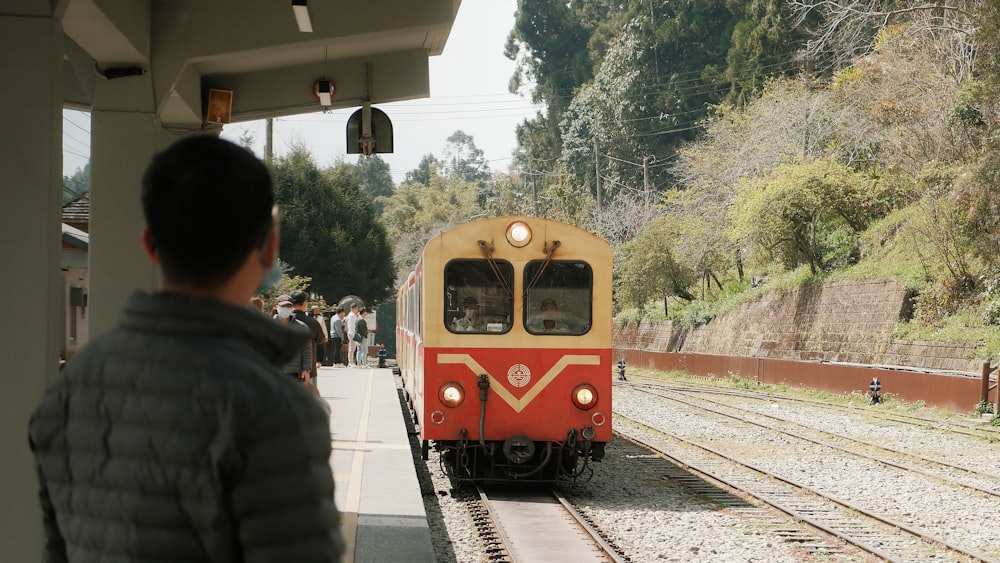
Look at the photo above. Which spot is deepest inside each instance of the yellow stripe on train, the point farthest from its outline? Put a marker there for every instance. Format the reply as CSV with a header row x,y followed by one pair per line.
x,y
519,404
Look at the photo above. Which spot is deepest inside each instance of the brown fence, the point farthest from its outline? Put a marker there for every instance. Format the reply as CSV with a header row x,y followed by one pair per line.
x,y
955,392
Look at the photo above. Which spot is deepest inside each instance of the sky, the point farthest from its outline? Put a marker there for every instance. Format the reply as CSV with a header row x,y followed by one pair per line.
x,y
468,84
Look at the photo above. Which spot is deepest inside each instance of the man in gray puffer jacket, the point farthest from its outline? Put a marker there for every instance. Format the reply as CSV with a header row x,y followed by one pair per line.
x,y
174,436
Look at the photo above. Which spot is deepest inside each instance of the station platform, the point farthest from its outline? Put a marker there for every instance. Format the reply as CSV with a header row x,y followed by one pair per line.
x,y
377,490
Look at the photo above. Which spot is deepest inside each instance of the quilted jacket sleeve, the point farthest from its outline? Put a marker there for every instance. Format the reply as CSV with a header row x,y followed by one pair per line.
x,y
282,497
55,545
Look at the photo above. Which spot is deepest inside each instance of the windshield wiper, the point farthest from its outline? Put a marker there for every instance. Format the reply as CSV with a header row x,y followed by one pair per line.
x,y
549,251
488,253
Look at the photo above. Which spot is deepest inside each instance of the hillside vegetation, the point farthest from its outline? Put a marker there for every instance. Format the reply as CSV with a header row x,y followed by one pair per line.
x,y
733,148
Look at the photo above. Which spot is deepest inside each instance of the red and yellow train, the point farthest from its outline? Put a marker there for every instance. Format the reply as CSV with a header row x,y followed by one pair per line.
x,y
504,347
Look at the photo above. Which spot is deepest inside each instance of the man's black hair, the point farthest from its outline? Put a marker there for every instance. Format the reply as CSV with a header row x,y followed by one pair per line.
x,y
207,203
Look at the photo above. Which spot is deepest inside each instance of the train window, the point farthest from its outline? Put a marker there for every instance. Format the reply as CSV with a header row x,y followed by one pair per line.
x,y
558,297
475,296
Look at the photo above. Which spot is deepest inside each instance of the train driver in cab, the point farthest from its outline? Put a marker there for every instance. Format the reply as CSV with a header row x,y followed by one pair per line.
x,y
471,321
549,319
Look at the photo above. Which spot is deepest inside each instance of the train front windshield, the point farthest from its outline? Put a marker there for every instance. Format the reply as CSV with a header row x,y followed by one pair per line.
x,y
478,297
557,297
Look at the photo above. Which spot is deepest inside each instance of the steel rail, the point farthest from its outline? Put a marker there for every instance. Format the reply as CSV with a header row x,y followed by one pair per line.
x,y
861,454
907,558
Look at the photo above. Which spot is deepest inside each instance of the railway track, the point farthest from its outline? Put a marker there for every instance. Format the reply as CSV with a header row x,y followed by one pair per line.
x,y
819,460
877,534
525,526
942,470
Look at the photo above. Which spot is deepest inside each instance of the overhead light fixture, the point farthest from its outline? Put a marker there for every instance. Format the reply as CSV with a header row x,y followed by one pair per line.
x,y
301,9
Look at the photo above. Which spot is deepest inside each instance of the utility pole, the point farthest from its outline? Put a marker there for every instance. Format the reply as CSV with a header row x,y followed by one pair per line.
x,y
597,173
534,189
645,178
269,143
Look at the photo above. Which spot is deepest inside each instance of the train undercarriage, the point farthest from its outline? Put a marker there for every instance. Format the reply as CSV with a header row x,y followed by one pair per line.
x,y
519,458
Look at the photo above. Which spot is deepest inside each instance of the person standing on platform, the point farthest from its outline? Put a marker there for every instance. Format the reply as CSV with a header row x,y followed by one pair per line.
x,y
352,344
362,331
299,304
321,348
337,331
174,435
298,366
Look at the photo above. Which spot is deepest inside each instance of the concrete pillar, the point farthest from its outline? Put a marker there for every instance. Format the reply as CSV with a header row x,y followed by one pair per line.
x,y
122,143
31,176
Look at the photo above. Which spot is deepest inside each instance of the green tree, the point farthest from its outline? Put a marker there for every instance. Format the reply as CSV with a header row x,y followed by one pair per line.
x,y
375,176
763,46
660,69
792,215
330,232
77,185
416,212
698,217
948,242
982,191
605,116
511,195
549,45
648,269
462,158
425,169
465,161
286,285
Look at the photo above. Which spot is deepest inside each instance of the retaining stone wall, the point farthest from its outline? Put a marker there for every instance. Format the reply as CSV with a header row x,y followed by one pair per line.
x,y
846,321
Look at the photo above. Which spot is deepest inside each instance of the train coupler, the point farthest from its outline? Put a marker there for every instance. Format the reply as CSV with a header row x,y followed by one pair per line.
x,y
588,436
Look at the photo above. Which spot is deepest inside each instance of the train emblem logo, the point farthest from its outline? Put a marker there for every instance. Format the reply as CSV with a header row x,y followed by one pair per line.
x,y
519,375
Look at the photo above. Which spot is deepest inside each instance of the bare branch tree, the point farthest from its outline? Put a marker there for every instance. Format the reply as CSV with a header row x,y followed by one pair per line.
x,y
843,30
621,220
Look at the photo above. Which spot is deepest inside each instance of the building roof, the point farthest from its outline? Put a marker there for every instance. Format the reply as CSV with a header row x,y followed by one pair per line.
x,y
77,211
75,237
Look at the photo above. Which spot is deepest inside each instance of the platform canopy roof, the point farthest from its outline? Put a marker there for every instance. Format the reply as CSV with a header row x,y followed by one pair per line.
x,y
370,51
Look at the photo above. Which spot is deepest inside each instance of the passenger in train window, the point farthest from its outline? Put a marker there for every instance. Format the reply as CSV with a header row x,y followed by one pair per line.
x,y
471,321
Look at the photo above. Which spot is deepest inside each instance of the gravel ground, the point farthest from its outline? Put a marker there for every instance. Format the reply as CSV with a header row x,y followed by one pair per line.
x,y
650,518
958,515
654,519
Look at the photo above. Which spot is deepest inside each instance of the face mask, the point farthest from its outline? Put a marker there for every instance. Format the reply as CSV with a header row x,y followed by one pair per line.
x,y
469,313
271,277
284,312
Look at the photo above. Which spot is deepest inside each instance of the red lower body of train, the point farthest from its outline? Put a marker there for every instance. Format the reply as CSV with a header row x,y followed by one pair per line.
x,y
502,414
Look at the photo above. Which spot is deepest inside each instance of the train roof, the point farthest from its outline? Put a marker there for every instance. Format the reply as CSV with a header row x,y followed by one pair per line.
x,y
543,229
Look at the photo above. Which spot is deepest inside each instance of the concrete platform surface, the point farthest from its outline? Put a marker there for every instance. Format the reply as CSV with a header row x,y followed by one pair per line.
x,y
377,490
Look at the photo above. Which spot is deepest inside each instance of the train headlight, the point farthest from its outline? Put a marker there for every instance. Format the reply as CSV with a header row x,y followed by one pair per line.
x,y
584,396
451,394
518,234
